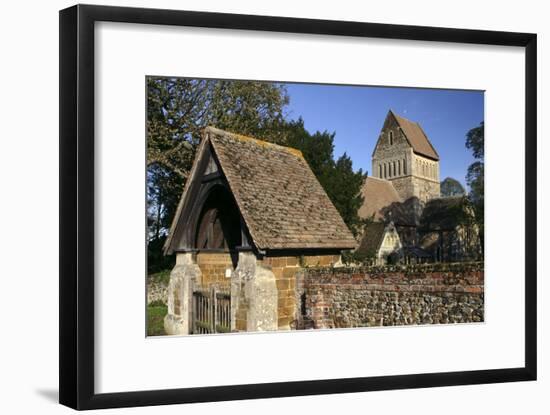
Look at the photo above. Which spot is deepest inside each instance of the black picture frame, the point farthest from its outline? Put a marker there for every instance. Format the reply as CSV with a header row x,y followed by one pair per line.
x,y
76,279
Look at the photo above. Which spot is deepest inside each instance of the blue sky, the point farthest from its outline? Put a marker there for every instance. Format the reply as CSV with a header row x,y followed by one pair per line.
x,y
356,114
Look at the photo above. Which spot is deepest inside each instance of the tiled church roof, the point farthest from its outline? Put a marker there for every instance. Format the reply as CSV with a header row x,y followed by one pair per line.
x,y
279,197
416,137
373,236
377,194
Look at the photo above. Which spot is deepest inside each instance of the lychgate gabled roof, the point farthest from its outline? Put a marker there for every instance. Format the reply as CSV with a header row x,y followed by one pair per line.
x,y
281,201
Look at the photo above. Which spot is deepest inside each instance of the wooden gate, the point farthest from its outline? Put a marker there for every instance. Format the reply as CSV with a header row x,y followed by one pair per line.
x,y
211,311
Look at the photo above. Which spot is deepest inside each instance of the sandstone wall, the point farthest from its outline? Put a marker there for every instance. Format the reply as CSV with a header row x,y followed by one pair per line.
x,y
285,270
390,296
213,266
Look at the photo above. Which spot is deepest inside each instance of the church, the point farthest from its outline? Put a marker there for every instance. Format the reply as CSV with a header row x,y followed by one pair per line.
x,y
403,193
405,157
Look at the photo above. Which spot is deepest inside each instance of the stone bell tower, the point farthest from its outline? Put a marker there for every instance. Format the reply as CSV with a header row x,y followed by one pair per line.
x,y
405,156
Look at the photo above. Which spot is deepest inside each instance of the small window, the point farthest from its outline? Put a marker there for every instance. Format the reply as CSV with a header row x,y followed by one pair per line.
x,y
380,170
404,167
399,167
391,138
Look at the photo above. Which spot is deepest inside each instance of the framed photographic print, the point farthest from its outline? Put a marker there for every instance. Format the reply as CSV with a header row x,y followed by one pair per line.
x,y
258,206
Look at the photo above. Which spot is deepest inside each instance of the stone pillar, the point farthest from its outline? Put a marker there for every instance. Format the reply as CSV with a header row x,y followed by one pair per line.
x,y
183,277
253,296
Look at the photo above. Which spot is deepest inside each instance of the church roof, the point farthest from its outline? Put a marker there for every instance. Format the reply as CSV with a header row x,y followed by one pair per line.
x,y
281,201
416,137
406,213
373,235
377,194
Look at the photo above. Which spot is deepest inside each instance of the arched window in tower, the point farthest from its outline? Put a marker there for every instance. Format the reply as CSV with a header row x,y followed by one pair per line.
x,y
399,167
404,166
394,169
391,138
380,170
385,172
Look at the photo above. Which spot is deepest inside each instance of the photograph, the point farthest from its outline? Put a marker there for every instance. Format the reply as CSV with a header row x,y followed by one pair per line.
x,y
279,206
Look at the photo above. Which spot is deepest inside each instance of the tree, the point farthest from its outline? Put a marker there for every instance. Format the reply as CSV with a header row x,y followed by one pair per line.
x,y
177,111
475,140
337,177
344,190
451,187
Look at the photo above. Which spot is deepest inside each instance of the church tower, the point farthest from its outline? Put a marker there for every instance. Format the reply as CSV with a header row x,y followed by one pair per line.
x,y
404,156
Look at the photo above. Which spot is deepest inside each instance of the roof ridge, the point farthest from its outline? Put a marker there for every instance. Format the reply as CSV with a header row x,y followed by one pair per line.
x,y
427,139
378,178
403,118
256,141
403,124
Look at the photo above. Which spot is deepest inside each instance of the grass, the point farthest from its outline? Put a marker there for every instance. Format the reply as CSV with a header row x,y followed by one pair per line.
x,y
155,319
157,309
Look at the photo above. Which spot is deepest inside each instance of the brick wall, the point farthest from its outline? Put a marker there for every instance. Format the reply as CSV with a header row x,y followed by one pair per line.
x,y
213,266
389,296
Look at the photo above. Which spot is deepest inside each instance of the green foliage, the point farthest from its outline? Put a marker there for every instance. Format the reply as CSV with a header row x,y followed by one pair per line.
x,y
155,319
475,141
342,184
357,258
156,260
162,277
178,109
344,189
475,177
446,214
451,187
156,303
